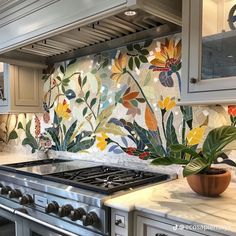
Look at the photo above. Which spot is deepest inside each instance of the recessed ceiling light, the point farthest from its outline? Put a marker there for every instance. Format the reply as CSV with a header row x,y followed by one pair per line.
x,y
130,13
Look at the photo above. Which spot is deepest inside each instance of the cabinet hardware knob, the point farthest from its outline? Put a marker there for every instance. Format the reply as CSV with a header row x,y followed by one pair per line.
x,y
118,222
193,80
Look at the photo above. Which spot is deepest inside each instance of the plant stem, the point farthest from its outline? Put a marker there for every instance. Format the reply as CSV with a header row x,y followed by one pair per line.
x,y
179,80
140,89
183,131
90,109
99,103
163,125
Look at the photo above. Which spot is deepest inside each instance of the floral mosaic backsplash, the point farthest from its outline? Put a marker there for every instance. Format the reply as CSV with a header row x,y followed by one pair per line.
x,y
121,101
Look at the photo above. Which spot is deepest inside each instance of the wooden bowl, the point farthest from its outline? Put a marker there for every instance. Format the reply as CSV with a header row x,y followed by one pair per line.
x,y
210,185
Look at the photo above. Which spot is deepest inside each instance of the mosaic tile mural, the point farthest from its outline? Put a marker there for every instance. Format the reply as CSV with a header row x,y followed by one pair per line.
x,y
121,101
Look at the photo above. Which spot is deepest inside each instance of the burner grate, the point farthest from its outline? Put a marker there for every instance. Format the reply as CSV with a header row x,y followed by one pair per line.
x,y
105,179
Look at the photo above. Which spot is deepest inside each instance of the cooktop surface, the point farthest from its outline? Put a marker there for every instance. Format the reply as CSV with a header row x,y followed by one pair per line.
x,y
106,179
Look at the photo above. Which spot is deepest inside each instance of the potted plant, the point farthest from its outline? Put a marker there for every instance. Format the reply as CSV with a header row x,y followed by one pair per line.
x,y
197,165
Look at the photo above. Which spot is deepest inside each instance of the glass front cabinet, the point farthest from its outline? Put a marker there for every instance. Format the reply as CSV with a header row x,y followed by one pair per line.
x,y
209,52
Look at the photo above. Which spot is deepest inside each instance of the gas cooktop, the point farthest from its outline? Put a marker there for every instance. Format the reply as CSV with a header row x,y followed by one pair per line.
x,y
68,195
105,179
89,176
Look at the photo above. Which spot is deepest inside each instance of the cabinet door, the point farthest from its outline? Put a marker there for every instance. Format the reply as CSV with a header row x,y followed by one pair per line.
x,y
3,85
149,227
209,52
26,87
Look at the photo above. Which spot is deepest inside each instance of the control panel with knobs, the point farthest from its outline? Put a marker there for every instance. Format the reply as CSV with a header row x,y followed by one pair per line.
x,y
4,190
65,210
90,219
52,207
77,214
14,193
26,200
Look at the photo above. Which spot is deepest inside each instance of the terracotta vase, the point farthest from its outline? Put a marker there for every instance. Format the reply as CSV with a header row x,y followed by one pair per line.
x,y
209,185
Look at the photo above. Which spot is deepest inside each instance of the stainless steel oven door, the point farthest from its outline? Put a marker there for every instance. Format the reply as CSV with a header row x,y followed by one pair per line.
x,y
10,225
33,229
36,227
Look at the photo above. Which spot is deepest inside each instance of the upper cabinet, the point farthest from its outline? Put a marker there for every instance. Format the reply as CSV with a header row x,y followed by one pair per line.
x,y
209,52
20,89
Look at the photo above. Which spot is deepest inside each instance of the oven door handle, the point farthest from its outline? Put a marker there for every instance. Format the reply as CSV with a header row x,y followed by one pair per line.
x,y
54,228
11,210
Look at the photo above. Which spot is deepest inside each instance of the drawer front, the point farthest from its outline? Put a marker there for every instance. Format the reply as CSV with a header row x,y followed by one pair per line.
x,y
149,227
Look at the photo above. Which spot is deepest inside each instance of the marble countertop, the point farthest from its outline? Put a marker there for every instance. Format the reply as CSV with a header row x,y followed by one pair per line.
x,y
175,200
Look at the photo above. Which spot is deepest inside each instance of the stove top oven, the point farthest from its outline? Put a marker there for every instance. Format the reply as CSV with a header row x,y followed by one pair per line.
x,y
64,201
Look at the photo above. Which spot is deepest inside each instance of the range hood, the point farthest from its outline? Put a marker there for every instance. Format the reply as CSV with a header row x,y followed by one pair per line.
x,y
96,28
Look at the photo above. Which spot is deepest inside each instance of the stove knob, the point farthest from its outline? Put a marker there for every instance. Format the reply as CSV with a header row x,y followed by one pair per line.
x,y
52,207
26,200
90,219
65,210
77,214
14,193
4,190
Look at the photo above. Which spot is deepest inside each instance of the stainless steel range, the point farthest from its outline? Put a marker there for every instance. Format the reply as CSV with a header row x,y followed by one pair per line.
x,y
59,197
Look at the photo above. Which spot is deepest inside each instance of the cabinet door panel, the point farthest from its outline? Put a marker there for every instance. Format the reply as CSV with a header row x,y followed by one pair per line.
x,y
209,52
26,86
213,43
149,227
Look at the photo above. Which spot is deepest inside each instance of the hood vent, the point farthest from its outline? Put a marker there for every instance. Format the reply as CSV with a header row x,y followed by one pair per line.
x,y
105,34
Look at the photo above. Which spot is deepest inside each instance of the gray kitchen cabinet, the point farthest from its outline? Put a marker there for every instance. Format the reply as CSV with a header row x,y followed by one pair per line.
x,y
150,225
209,52
20,89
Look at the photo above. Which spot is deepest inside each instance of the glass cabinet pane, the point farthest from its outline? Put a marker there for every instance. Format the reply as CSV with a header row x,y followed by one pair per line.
x,y
218,39
2,96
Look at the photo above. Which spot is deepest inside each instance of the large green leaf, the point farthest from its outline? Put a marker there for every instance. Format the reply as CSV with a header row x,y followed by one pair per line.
x,y
13,135
82,145
109,128
29,136
183,149
187,112
171,137
149,140
195,166
29,142
168,161
68,136
105,114
53,133
216,140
